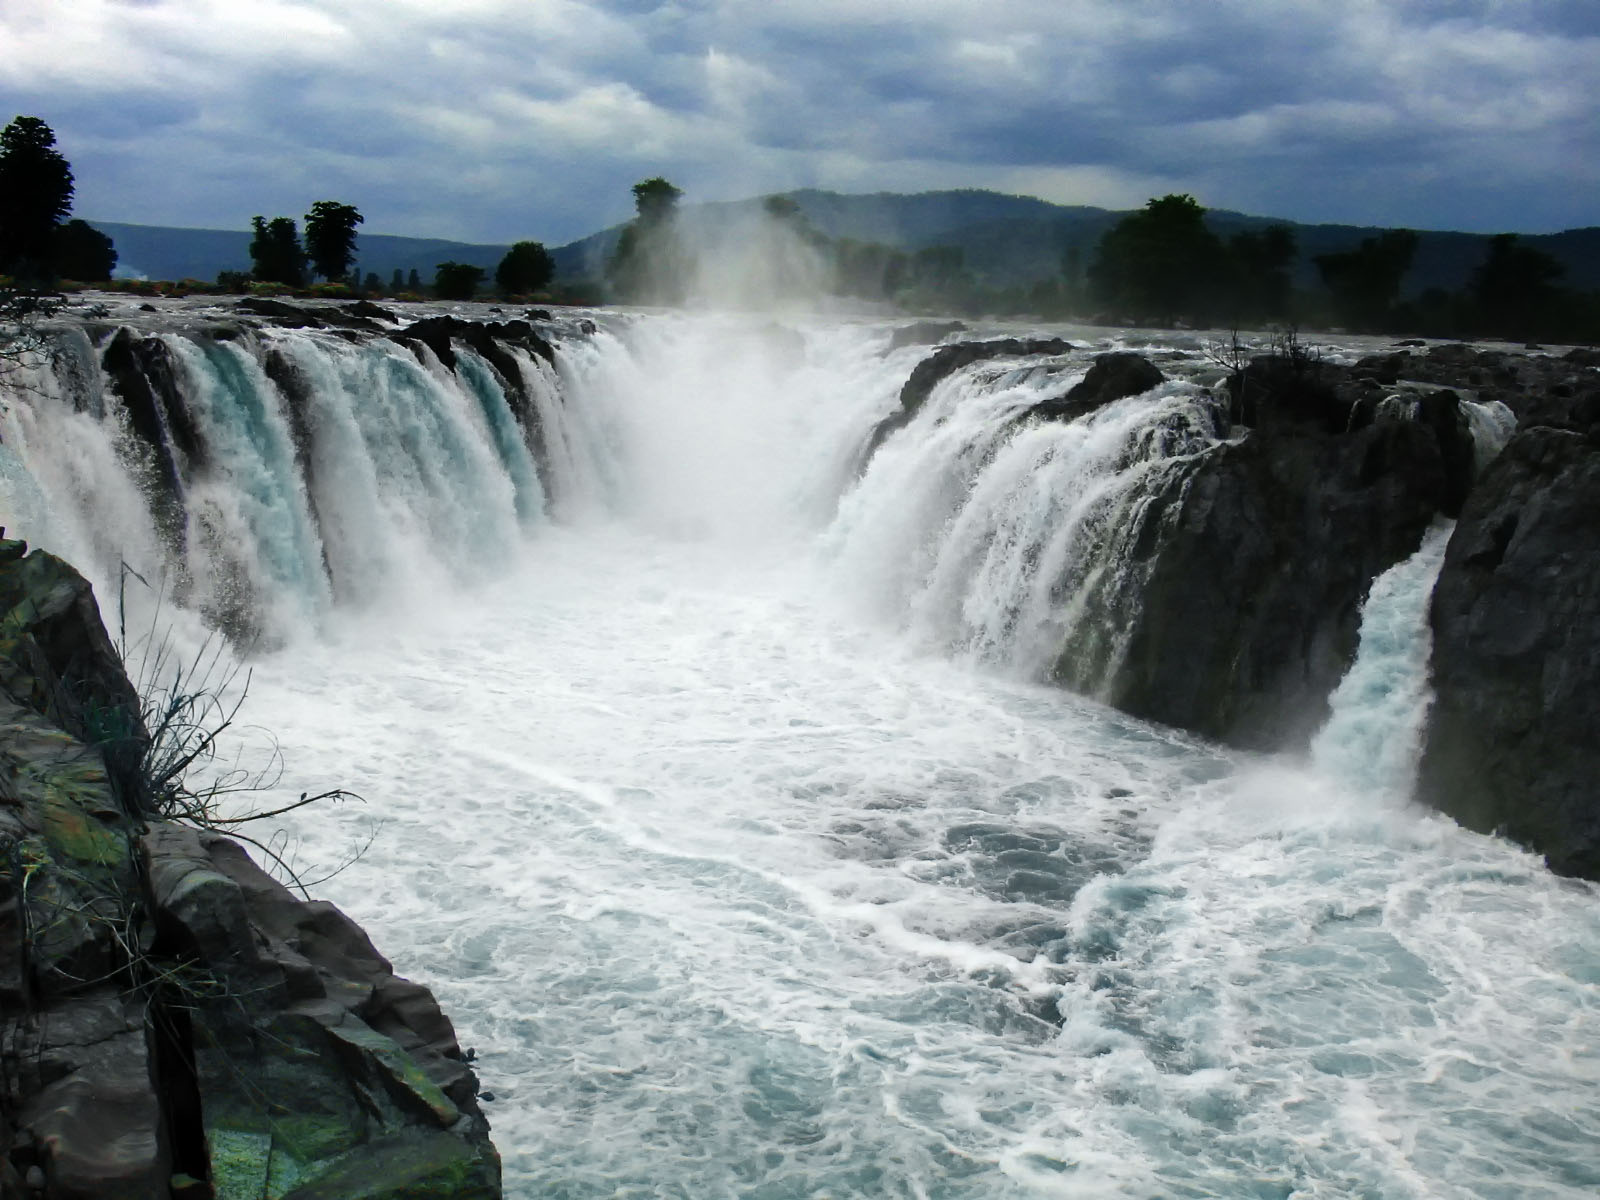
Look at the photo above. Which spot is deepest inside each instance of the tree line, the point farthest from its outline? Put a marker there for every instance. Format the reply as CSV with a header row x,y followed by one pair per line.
x,y
39,245
1160,265
329,249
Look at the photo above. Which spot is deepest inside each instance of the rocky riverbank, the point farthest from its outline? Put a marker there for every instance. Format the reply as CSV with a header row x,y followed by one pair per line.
x,y
177,1022
1235,606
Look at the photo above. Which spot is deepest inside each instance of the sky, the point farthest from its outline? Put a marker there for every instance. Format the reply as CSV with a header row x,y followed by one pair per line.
x,y
498,120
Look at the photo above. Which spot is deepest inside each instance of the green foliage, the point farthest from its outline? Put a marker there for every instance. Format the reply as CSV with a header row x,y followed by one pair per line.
x,y
526,267
1365,281
656,200
275,251
1160,262
82,252
35,197
456,281
397,282
413,281
372,285
1516,288
1261,266
650,264
331,238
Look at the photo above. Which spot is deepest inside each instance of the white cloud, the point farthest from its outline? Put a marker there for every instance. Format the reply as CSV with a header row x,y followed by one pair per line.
x,y
479,118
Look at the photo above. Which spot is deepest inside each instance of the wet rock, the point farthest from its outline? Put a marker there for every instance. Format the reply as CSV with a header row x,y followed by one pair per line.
x,y
1112,377
371,311
283,315
55,656
1240,610
141,372
489,340
173,1021
1510,743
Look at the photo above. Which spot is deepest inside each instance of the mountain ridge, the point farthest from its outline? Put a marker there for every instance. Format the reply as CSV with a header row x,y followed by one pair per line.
x,y
1007,240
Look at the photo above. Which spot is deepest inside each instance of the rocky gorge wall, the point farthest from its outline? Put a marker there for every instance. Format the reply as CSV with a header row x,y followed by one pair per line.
x,y
1230,603
176,1022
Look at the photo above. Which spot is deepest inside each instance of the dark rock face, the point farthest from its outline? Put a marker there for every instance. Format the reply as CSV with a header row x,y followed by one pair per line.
x,y
56,660
141,372
172,1019
487,340
1511,740
1241,610
1112,377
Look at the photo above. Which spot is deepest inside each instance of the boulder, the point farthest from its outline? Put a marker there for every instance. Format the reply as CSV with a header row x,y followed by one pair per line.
x,y
142,374
1112,377
1237,611
1510,744
56,659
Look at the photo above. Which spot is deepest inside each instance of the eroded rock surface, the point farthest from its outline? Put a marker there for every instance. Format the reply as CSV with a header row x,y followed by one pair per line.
x,y
1511,743
175,1021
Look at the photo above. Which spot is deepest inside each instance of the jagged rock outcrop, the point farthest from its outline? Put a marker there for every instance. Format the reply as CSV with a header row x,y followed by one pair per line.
x,y
1511,745
175,1022
1239,611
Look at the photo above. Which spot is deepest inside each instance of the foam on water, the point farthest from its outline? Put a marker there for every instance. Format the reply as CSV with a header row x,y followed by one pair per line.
x,y
742,885
734,898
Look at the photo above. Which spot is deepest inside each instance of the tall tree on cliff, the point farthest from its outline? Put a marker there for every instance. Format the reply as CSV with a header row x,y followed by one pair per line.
x,y
35,197
331,238
1159,263
649,264
275,251
1365,282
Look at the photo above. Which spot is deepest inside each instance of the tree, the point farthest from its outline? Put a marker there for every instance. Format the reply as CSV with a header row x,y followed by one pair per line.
x,y
655,200
649,263
372,285
80,251
1262,262
527,267
275,251
413,281
457,281
1365,281
331,238
35,196
1160,262
1515,288
397,282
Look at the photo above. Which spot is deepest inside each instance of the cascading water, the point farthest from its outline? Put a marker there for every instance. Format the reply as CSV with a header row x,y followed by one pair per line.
x,y
737,892
1374,735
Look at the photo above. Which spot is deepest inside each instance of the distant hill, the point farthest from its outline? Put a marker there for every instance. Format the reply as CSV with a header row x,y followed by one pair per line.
x,y
1008,240
163,252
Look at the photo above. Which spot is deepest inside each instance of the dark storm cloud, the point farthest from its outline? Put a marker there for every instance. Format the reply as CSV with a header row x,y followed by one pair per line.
x,y
494,119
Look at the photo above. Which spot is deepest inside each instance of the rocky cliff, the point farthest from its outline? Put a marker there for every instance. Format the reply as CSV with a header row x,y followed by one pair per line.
x,y
176,1022
1511,741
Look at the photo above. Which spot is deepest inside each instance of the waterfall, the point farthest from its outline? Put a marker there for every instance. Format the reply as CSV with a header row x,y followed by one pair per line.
x,y
990,534
1373,735
259,477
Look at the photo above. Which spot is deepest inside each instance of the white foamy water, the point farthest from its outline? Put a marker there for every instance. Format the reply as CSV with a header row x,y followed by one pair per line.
x,y
743,885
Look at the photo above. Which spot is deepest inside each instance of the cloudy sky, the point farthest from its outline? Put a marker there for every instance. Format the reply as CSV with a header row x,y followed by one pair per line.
x,y
490,120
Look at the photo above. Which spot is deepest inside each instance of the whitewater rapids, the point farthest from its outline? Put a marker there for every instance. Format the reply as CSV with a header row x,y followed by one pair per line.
x,y
726,823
